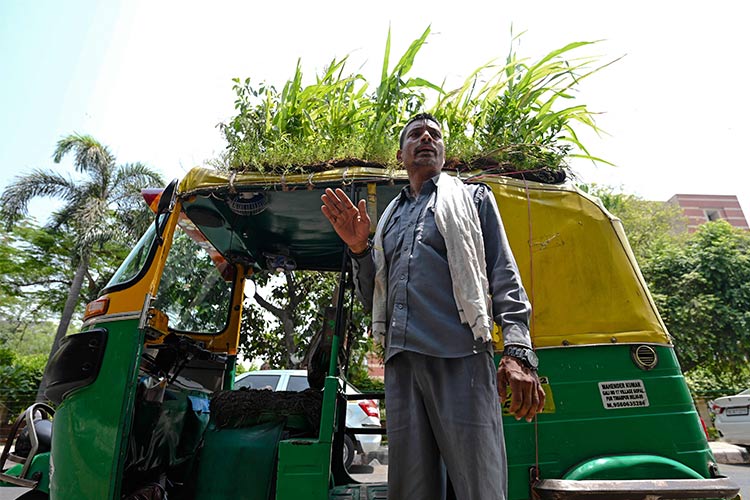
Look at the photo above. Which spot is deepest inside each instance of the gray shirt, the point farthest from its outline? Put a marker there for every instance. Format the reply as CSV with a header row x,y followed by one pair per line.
x,y
421,312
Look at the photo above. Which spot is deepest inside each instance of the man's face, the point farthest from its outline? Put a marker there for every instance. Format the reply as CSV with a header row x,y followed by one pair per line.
x,y
423,147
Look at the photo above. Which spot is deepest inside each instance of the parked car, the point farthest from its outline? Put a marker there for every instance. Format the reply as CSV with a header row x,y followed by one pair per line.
x,y
364,413
733,417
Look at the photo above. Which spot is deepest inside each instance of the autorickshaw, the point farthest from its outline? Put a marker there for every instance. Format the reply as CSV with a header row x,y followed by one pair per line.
x,y
143,399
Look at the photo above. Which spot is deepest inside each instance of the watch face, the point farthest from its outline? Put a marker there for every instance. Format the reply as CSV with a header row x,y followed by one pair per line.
x,y
532,359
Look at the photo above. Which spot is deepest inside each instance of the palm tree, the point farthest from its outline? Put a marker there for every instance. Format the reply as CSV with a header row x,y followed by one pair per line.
x,y
101,207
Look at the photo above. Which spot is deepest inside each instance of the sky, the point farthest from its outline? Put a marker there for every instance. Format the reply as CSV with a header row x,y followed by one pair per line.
x,y
152,79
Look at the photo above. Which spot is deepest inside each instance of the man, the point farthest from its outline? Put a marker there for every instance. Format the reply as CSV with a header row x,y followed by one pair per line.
x,y
444,417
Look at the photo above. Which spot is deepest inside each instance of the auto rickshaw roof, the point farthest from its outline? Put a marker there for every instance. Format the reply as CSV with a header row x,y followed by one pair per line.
x,y
573,256
273,221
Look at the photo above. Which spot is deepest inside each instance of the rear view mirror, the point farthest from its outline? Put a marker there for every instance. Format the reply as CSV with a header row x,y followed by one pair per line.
x,y
166,202
167,198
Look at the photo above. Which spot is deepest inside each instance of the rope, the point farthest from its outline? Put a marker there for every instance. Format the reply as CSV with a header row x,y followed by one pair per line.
x,y
535,479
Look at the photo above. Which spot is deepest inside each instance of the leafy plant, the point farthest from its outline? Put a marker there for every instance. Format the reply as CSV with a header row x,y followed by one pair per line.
x,y
508,115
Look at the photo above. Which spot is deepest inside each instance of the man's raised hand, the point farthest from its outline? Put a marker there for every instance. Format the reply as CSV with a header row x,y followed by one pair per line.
x,y
350,222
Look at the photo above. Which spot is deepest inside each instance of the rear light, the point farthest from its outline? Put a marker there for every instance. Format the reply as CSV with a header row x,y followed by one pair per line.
x,y
152,196
370,408
717,409
96,308
705,429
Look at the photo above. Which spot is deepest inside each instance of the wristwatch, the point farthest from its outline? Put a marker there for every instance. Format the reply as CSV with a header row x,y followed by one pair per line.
x,y
525,355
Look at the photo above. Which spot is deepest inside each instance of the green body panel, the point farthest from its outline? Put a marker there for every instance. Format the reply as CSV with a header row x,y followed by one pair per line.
x,y
630,466
229,372
238,464
304,467
581,429
304,470
328,412
92,423
39,466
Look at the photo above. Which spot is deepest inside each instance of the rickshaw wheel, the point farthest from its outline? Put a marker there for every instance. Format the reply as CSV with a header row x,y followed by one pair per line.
x,y
34,495
348,454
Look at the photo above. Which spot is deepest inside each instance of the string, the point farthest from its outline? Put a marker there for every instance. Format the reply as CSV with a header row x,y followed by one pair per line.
x,y
533,322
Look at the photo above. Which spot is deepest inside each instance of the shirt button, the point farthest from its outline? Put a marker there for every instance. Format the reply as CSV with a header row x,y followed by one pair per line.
x,y
400,306
402,277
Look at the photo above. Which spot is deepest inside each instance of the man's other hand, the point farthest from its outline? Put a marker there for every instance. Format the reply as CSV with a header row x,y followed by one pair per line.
x,y
527,396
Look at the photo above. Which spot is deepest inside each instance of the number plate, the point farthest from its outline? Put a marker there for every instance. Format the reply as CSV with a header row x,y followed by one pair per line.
x,y
743,410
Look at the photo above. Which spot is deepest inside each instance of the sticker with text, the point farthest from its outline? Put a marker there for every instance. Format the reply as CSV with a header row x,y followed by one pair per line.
x,y
623,394
549,402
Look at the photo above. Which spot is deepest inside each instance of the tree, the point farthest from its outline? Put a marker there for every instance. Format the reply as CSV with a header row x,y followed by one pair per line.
x,y
702,289
297,300
34,263
19,378
97,209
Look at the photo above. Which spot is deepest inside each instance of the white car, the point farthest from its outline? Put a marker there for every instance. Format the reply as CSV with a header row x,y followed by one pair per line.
x,y
733,417
362,413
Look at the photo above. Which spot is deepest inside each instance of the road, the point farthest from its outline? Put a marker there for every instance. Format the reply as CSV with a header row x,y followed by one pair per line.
x,y
740,474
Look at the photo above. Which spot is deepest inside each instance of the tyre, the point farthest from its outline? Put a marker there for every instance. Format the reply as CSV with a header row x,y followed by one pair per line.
x,y
349,450
34,495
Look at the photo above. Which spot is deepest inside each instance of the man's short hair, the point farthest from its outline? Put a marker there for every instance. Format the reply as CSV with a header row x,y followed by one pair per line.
x,y
420,116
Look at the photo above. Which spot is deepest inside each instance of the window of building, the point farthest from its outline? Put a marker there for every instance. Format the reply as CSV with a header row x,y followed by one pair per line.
x,y
713,214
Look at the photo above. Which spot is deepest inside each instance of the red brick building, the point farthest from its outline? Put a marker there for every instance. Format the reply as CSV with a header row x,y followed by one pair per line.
x,y
700,208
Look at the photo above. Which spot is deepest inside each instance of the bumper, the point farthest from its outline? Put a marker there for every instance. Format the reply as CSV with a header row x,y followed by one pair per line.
x,y
731,432
652,489
369,442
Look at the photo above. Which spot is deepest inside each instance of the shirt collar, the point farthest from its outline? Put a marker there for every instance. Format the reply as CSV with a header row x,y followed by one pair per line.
x,y
429,186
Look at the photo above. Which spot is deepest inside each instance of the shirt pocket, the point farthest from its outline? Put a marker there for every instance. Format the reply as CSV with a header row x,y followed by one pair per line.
x,y
392,234
428,233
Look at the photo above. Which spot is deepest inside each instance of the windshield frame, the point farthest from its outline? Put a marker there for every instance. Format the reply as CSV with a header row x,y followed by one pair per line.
x,y
157,229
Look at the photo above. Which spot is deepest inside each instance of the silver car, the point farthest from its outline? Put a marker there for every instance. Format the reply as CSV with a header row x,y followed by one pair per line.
x,y
732,417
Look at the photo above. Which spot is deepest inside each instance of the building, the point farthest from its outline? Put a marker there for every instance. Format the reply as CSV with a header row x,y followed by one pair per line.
x,y
700,208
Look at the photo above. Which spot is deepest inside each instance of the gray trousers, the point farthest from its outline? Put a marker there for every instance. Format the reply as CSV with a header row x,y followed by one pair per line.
x,y
444,417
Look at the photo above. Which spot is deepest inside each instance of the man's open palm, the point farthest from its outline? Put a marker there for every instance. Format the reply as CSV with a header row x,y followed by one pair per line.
x,y
351,222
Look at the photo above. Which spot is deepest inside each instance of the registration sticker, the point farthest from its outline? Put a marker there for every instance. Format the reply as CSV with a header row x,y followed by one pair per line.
x,y
549,401
623,394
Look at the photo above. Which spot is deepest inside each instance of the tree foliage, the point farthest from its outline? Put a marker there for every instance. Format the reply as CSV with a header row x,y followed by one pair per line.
x,y
99,209
288,309
34,263
702,289
19,378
